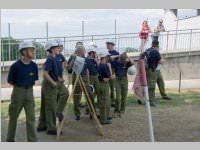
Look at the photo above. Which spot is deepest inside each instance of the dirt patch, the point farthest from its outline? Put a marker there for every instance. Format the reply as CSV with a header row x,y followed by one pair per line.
x,y
174,121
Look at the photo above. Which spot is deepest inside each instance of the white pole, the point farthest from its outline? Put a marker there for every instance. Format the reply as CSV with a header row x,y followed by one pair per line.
x,y
149,117
47,31
83,30
143,81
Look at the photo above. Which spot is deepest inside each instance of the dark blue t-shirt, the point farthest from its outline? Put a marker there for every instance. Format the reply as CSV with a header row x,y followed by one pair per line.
x,y
60,59
103,71
51,66
92,66
23,75
121,68
153,58
113,52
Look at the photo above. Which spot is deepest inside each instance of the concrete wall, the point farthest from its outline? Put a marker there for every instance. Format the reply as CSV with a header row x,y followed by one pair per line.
x,y
170,22
186,63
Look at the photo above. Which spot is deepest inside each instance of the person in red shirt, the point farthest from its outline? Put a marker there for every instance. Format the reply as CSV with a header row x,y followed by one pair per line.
x,y
143,35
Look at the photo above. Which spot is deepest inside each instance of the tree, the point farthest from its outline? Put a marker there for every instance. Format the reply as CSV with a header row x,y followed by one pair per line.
x,y
40,52
10,52
130,49
12,45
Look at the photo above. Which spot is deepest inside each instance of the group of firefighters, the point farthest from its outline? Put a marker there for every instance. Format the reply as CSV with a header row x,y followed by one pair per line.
x,y
104,74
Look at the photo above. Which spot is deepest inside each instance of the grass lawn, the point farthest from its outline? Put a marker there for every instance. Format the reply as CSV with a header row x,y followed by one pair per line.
x,y
186,97
173,120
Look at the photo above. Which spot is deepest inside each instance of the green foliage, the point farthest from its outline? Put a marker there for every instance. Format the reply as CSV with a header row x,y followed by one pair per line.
x,y
40,51
13,45
130,49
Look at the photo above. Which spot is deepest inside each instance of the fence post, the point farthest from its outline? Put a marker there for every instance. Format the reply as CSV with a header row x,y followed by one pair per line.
x,y
190,46
118,43
2,54
176,33
167,42
9,46
47,31
35,51
92,38
179,88
64,46
83,30
115,24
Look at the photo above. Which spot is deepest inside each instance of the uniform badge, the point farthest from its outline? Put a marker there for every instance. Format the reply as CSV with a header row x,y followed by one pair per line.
x,y
31,74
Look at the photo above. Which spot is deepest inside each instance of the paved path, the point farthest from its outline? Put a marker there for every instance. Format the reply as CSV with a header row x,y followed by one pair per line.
x,y
172,84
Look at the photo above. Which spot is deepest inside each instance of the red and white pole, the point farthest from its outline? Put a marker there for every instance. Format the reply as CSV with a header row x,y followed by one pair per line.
x,y
143,80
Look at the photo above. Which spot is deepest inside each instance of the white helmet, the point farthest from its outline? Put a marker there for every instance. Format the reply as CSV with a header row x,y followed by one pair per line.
x,y
132,70
92,47
103,54
59,41
26,45
92,44
50,44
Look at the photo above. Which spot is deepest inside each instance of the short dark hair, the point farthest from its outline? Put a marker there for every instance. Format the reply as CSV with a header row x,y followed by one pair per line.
x,y
112,43
90,52
49,50
155,43
21,51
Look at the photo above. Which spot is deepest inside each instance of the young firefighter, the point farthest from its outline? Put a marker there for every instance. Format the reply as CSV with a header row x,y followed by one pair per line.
x,y
63,92
160,82
78,44
47,119
110,46
104,78
93,73
22,75
153,60
80,51
121,82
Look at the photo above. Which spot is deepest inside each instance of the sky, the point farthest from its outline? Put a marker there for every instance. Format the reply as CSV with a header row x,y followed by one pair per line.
x,y
68,22
26,23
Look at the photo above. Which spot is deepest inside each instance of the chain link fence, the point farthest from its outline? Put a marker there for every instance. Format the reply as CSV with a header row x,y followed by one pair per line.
x,y
170,41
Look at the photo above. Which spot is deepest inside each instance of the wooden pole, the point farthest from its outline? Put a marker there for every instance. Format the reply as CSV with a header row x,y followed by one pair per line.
x,y
91,107
89,102
85,95
60,125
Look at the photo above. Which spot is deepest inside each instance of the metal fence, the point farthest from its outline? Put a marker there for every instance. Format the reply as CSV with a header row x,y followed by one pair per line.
x,y
170,41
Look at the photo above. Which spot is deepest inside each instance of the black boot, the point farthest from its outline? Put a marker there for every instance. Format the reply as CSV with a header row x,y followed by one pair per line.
x,y
139,102
166,98
52,132
77,117
60,116
41,129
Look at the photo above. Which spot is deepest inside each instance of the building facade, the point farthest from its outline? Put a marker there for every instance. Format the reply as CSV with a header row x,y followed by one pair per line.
x,y
176,19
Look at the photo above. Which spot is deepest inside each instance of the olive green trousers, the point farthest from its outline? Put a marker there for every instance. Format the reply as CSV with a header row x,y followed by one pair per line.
x,y
22,98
